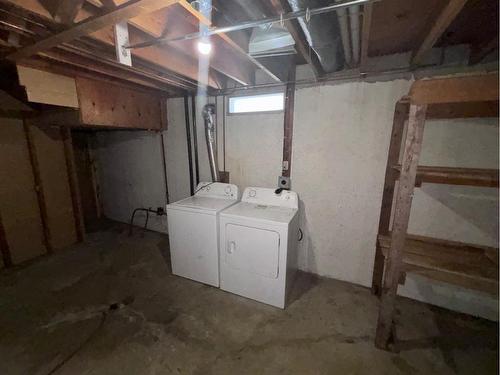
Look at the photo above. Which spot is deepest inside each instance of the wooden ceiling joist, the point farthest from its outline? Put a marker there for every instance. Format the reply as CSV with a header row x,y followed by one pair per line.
x,y
299,38
439,26
230,42
164,58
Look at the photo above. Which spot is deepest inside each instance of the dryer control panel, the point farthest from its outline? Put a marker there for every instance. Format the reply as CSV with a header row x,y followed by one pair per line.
x,y
217,190
267,197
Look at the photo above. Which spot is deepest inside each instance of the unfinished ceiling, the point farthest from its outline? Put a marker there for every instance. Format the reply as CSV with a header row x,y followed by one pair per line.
x,y
78,38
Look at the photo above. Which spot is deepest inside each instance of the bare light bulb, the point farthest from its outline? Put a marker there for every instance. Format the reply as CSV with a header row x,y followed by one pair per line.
x,y
204,48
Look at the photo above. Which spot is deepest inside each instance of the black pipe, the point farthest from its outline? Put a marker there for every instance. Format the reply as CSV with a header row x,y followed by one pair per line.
x,y
190,151
164,162
195,138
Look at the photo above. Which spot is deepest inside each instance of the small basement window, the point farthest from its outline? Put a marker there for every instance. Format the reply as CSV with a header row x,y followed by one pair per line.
x,y
256,103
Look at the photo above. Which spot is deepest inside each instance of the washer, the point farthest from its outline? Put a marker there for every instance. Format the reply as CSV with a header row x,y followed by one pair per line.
x,y
259,239
193,229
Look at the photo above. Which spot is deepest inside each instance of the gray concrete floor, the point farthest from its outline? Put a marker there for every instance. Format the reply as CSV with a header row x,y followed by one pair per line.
x,y
55,317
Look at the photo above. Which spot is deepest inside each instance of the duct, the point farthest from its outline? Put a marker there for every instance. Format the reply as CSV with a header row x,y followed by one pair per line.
x,y
344,34
323,34
209,117
355,33
276,39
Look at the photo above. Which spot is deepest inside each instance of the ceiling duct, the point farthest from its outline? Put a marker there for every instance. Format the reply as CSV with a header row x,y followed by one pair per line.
x,y
322,33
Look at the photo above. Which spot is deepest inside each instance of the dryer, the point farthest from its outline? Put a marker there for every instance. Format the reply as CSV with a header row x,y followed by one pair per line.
x,y
259,237
193,229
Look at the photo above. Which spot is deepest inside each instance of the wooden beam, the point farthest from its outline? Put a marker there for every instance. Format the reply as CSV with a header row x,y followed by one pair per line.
x,y
128,10
301,44
439,26
394,261
47,239
73,183
365,34
230,42
160,57
455,89
400,116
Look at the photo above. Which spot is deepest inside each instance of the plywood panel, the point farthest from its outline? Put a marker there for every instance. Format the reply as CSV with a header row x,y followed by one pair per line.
x,y
48,88
53,173
112,105
18,201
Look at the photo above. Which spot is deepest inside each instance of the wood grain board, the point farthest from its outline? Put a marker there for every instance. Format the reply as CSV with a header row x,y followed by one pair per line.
x,y
117,106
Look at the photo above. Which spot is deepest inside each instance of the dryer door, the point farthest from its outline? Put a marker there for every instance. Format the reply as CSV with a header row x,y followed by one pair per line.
x,y
250,250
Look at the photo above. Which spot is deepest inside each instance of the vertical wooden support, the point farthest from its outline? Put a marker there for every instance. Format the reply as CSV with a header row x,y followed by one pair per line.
x,y
73,183
411,155
38,186
4,246
288,123
400,116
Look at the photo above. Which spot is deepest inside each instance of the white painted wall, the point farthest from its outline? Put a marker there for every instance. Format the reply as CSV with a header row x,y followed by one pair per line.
x,y
130,175
131,169
341,139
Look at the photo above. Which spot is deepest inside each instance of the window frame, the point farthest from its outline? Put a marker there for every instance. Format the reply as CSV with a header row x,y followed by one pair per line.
x,y
229,113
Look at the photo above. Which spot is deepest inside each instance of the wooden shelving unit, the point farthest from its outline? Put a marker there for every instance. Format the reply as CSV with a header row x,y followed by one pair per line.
x,y
398,253
455,176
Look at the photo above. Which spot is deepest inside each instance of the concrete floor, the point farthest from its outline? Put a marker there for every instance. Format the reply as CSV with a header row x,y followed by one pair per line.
x,y
111,306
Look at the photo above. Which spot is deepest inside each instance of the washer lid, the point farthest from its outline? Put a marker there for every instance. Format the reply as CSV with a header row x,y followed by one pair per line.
x,y
274,214
201,203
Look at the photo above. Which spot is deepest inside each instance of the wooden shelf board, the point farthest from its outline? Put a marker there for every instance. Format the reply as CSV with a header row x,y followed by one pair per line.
x,y
469,266
456,176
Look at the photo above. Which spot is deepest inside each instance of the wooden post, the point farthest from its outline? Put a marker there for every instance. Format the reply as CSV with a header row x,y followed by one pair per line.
x,y
400,116
38,187
411,155
73,183
4,246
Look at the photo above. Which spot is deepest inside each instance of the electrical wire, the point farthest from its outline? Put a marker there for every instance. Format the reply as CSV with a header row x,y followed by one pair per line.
x,y
204,186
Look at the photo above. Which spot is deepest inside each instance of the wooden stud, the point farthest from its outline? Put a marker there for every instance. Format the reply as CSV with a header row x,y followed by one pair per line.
x,y
411,154
38,186
400,116
439,26
73,183
288,123
128,10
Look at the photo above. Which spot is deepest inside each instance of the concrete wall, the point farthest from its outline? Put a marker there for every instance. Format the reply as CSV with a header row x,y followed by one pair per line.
x,y
341,139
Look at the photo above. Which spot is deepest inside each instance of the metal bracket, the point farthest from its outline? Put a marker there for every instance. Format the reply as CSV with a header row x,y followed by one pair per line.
x,y
121,40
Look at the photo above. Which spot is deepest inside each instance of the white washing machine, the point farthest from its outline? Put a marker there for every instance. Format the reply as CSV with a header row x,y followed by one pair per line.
x,y
258,254
193,229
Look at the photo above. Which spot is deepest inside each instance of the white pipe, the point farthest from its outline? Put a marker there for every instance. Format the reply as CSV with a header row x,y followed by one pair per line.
x,y
355,33
344,34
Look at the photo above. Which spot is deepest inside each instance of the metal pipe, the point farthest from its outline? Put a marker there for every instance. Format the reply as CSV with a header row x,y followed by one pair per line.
x,y
189,148
355,33
251,24
344,35
209,117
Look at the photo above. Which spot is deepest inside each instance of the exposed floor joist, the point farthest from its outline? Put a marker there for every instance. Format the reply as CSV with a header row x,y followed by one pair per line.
x,y
444,19
126,11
